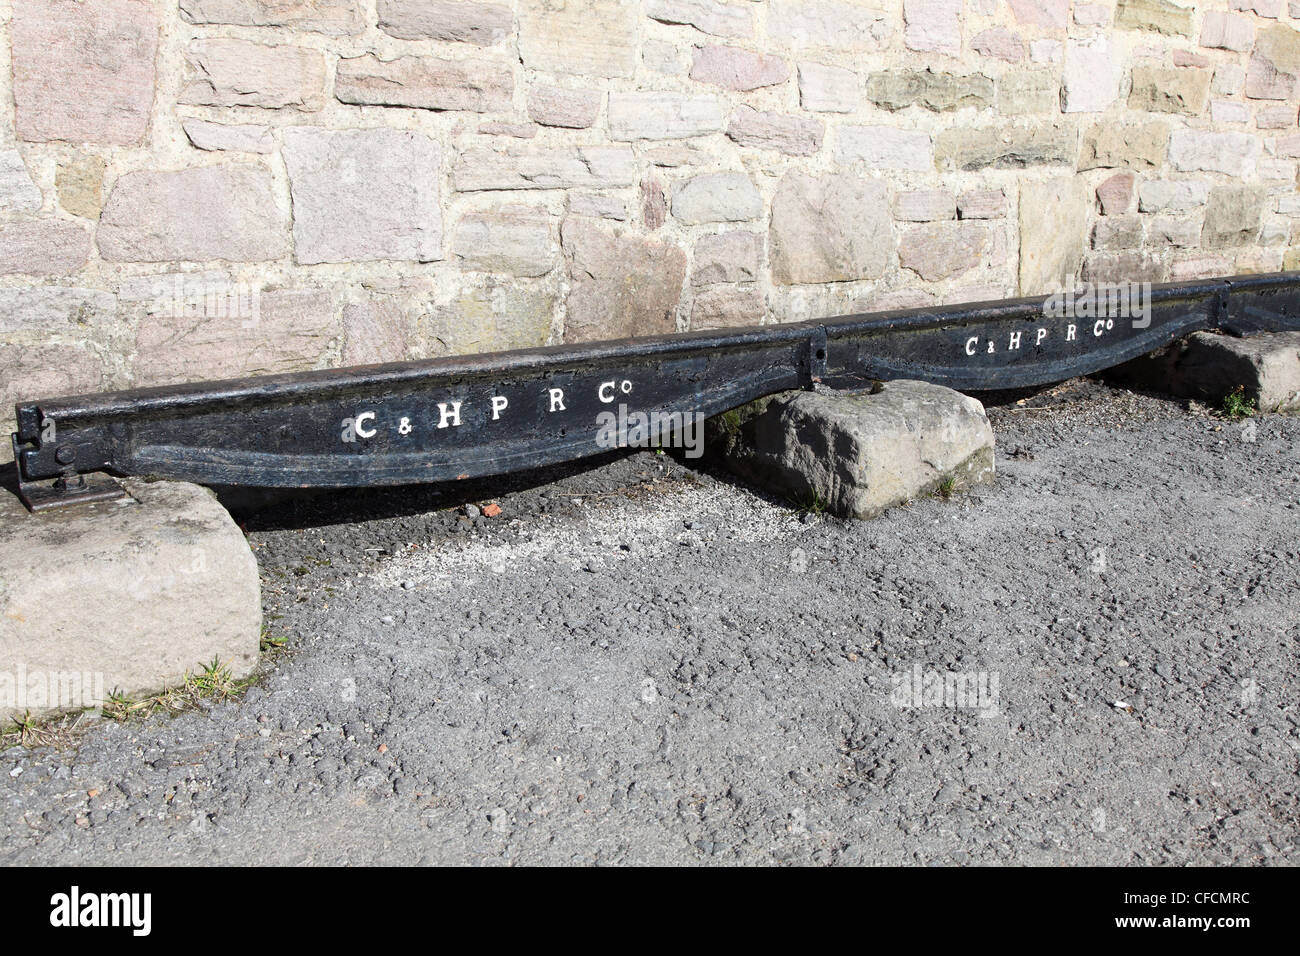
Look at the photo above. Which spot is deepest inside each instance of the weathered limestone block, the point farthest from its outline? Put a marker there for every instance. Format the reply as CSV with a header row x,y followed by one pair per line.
x,y
999,43
654,202
829,228
45,247
56,312
1280,44
1233,216
717,197
123,596
289,331
1164,231
761,129
513,240
200,214
1049,15
364,194
859,453
1053,225
1158,16
655,115
1010,147
828,24
488,316
1229,79
502,128
1117,232
1157,195
331,17
1231,153
884,147
588,167
708,16
425,82
982,204
1126,266
79,182
925,205
1208,366
932,26
727,307
375,331
1116,194
37,371
583,37
1091,77
735,69
1275,63
1263,81
1169,90
937,251
1023,92
1134,145
727,257
1226,31
570,109
240,138
620,285
482,24
939,92
229,72
18,192
827,89
83,71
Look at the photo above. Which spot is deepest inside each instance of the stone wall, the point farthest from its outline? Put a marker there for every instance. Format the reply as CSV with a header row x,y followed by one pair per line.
x,y
198,189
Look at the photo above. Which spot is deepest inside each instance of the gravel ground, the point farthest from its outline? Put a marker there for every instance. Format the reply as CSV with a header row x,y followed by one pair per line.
x,y
639,663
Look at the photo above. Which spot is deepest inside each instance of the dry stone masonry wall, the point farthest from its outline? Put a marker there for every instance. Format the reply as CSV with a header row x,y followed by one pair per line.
x,y
195,189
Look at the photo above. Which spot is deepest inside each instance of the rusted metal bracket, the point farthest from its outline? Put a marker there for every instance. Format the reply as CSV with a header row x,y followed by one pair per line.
x,y
462,417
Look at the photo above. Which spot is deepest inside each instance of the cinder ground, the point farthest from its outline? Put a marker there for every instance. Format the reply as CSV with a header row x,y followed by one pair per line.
x,y
638,663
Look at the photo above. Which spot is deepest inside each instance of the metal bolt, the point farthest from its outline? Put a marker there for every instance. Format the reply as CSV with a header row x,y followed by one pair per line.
x,y
65,455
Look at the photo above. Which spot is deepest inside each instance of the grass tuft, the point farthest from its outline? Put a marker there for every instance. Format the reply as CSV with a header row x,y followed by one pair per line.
x,y
209,684
1236,405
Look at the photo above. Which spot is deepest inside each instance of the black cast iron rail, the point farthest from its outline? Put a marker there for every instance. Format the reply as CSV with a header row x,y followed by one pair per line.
x,y
461,417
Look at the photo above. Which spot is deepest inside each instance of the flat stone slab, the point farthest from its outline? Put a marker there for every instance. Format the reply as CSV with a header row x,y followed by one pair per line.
x,y
1207,366
123,595
859,453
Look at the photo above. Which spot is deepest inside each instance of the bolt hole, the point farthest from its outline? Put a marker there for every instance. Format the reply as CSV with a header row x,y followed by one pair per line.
x,y
821,355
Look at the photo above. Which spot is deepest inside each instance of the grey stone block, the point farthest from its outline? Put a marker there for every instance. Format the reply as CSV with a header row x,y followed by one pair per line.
x,y
126,595
858,453
1207,366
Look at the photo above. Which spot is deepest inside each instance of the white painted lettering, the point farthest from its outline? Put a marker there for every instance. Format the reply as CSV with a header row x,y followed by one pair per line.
x,y
451,416
362,431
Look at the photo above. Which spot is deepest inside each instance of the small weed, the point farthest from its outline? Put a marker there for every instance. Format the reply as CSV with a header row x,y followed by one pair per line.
x,y
947,487
28,731
271,643
1237,405
811,503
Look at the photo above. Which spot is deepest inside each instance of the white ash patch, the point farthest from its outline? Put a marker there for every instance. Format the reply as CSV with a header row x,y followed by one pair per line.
x,y
610,531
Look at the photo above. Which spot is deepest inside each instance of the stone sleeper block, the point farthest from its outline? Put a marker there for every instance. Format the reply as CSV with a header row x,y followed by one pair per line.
x,y
859,453
1207,366
139,592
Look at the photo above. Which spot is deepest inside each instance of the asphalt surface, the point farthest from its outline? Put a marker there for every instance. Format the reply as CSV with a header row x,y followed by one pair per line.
x,y
639,663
